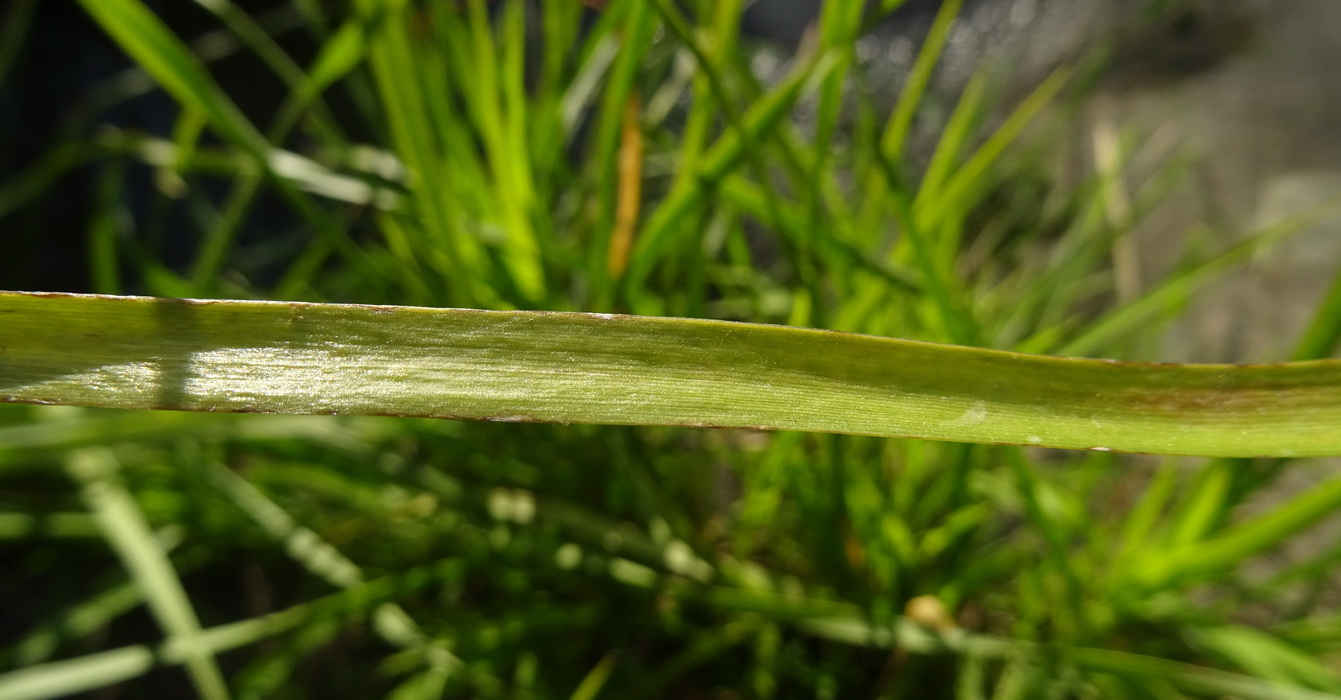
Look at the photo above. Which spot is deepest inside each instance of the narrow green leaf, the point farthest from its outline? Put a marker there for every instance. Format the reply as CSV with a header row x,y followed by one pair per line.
x,y
17,24
320,558
19,443
341,54
1177,287
846,624
144,557
1142,670
895,137
163,56
86,617
1200,560
1267,657
972,173
591,686
148,41
717,162
70,676
15,526
1324,332
242,356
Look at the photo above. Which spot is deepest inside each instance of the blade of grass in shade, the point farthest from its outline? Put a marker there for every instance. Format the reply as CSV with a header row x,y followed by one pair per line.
x,y
337,57
559,23
791,223
975,168
954,139
37,179
1198,561
591,685
1266,657
709,73
1070,612
303,172
79,620
137,352
396,75
596,59
495,101
266,675
16,526
429,683
945,298
18,21
1323,334
848,624
713,644
1142,519
61,678
524,253
75,622
124,526
208,47
316,555
140,33
20,443
106,227
971,678
963,187
719,44
884,179
144,37
724,156
895,137
1205,503
838,26
265,46
1142,670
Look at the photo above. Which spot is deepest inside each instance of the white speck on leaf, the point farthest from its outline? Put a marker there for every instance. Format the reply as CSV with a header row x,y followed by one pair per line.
x,y
973,415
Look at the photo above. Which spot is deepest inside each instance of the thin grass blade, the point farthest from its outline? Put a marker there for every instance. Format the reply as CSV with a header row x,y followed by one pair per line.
x,y
144,557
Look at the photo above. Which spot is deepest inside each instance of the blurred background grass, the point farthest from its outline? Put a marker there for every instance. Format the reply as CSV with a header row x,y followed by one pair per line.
x,y
641,157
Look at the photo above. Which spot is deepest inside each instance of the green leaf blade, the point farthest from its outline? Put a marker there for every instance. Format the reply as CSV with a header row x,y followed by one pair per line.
x,y
299,358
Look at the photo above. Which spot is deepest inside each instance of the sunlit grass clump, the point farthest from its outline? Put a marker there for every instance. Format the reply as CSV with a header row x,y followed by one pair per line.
x,y
551,156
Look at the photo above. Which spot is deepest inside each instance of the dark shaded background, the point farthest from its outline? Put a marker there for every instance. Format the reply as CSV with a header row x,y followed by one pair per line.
x,y
1248,85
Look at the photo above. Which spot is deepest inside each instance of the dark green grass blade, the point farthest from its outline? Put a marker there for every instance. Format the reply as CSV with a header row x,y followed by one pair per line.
x,y
137,352
144,37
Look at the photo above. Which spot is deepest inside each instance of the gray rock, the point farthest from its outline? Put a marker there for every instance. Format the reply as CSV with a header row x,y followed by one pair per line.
x,y
1260,124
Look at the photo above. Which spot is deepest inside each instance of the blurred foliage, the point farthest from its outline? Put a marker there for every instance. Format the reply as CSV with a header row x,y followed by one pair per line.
x,y
552,156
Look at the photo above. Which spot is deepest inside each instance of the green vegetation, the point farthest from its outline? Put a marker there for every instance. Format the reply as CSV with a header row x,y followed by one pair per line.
x,y
482,155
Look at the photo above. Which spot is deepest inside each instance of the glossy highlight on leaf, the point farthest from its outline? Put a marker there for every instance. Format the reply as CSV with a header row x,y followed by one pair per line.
x,y
301,358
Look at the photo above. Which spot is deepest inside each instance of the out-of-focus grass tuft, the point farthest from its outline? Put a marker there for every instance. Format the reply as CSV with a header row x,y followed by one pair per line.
x,y
547,156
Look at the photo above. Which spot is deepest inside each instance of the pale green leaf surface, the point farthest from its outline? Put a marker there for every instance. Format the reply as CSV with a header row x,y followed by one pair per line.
x,y
247,356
